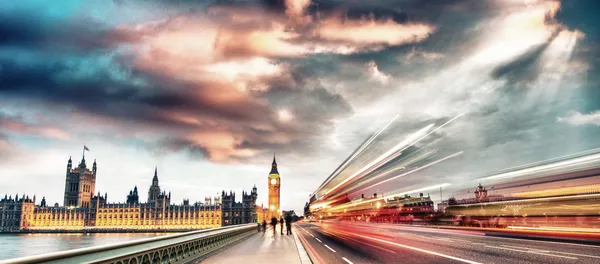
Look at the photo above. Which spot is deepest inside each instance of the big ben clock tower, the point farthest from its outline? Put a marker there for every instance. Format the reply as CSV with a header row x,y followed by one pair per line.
x,y
274,189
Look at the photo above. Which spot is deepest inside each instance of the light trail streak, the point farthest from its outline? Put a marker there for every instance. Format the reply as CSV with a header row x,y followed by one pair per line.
x,y
551,228
438,128
347,236
554,166
391,154
415,170
419,249
530,252
383,156
392,196
581,196
524,166
552,251
356,153
398,148
405,164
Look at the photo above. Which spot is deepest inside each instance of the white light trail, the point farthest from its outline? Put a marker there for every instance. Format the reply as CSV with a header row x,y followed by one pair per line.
x,y
405,164
435,187
357,152
419,249
524,166
391,151
415,170
438,128
400,147
539,169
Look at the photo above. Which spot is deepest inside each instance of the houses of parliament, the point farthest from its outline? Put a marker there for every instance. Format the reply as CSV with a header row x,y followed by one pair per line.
x,y
84,210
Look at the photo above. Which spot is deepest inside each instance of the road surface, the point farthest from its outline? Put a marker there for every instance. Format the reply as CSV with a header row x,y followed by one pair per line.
x,y
386,243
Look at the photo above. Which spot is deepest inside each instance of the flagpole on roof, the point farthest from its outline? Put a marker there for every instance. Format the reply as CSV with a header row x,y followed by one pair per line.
x,y
83,151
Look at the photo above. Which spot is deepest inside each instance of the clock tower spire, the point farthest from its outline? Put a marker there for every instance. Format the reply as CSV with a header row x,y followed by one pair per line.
x,y
274,189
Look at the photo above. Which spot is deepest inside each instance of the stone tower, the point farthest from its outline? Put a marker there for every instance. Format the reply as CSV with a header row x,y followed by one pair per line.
x,y
133,197
80,184
274,183
154,191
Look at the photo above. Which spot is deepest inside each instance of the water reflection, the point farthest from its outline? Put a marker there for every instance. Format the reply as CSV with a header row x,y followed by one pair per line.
x,y
22,245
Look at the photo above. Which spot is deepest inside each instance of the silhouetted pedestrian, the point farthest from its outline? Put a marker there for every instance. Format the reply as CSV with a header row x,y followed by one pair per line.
x,y
288,224
264,225
281,224
274,224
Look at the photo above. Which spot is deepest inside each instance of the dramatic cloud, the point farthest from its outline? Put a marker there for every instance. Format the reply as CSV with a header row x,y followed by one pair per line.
x,y
375,74
295,8
353,36
429,56
579,119
19,127
231,82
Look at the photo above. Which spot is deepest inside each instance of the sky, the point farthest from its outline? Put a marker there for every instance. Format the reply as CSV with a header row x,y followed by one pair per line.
x,y
208,91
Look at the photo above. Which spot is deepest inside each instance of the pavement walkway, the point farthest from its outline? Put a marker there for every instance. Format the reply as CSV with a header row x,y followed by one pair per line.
x,y
261,247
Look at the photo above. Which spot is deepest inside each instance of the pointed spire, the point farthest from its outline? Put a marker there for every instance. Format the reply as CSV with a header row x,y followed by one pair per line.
x,y
274,166
155,178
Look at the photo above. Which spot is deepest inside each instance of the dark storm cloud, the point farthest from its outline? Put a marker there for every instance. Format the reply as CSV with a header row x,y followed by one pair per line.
x,y
113,93
101,93
581,15
29,30
179,144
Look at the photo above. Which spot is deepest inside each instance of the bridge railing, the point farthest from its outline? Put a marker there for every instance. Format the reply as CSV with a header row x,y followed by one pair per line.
x,y
176,248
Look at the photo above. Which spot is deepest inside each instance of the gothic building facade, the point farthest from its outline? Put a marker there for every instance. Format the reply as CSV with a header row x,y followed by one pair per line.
x,y
133,197
80,184
84,210
235,213
155,196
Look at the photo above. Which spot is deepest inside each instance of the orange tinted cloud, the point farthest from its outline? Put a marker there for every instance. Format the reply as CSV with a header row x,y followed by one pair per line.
x,y
295,8
370,33
18,127
230,59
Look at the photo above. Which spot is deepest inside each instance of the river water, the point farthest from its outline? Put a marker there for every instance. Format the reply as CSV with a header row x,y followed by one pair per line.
x,y
22,245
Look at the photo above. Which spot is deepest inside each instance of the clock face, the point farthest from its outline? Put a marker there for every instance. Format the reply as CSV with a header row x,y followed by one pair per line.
x,y
273,181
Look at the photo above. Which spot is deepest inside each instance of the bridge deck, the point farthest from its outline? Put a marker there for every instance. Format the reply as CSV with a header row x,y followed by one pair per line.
x,y
260,248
